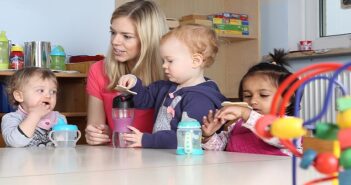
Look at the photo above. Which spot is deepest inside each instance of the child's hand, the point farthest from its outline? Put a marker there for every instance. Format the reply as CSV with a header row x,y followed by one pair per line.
x,y
40,110
134,138
229,113
35,113
127,81
210,124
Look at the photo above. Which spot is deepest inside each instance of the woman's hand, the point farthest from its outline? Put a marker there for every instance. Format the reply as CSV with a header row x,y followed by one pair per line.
x,y
133,138
96,135
210,124
127,81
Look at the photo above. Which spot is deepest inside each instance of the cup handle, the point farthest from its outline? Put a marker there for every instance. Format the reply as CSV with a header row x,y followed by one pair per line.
x,y
50,137
79,135
188,144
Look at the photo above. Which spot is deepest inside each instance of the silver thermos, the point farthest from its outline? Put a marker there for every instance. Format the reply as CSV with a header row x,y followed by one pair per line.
x,y
37,53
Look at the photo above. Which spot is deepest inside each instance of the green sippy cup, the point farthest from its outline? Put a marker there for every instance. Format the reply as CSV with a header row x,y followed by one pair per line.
x,y
58,58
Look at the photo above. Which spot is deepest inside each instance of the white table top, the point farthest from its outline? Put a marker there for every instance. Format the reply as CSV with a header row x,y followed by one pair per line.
x,y
85,165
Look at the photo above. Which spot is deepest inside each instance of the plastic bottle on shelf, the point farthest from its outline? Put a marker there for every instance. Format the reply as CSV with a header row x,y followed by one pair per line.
x,y
16,57
4,51
58,58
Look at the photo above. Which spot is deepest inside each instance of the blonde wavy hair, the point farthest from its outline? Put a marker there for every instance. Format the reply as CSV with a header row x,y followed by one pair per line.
x,y
199,39
150,23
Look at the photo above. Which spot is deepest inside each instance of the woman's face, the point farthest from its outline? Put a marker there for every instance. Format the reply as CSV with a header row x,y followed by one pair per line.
x,y
125,40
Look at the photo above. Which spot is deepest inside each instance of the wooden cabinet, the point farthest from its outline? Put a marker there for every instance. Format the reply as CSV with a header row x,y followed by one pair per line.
x,y
236,53
71,99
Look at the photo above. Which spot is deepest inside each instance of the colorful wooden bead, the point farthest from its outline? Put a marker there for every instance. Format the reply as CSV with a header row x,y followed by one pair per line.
x,y
326,163
343,103
327,131
308,158
345,177
262,126
344,119
287,128
345,159
344,137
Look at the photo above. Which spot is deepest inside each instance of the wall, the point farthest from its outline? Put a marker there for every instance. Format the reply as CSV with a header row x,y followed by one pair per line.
x,y
274,25
80,26
282,24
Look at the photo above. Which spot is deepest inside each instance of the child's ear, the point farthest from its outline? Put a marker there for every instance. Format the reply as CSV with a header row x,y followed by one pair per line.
x,y
198,60
18,95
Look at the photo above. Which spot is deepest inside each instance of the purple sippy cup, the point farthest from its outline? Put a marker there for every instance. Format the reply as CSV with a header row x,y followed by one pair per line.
x,y
122,116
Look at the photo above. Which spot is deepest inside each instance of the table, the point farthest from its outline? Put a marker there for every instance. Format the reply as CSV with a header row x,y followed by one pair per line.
x,y
85,165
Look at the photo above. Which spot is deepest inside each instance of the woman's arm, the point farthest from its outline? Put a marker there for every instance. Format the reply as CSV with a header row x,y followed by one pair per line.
x,y
97,131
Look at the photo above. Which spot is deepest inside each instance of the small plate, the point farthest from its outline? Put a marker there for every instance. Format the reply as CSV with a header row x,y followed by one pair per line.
x,y
8,69
64,71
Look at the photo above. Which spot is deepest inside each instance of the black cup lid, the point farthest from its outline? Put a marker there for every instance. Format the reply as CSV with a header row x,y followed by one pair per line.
x,y
123,101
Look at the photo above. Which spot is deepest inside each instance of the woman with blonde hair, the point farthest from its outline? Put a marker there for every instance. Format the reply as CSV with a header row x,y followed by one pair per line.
x,y
136,29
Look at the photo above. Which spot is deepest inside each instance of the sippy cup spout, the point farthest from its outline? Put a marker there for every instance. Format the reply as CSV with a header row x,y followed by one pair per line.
x,y
61,121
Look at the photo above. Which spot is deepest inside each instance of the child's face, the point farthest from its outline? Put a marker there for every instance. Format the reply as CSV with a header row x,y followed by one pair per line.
x,y
178,62
258,92
38,91
124,40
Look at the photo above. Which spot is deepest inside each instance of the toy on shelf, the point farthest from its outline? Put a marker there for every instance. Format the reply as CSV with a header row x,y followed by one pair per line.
x,y
336,163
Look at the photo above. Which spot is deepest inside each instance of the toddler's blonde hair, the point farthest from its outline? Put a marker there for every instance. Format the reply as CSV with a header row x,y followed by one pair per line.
x,y
198,38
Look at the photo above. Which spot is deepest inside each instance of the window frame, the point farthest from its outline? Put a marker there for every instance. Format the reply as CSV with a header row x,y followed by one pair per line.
x,y
313,27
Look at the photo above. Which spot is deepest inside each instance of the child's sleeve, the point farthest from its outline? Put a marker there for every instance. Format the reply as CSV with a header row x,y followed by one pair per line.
x,y
197,105
166,139
12,134
146,96
216,142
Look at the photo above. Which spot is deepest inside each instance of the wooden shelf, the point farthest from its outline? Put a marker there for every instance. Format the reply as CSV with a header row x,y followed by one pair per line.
x,y
6,73
70,75
234,38
60,75
74,114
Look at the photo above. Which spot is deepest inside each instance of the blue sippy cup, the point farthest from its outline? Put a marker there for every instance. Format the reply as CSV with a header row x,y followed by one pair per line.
x,y
189,138
64,135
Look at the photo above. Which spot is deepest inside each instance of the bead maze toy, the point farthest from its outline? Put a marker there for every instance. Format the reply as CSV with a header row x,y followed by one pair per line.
x,y
335,163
